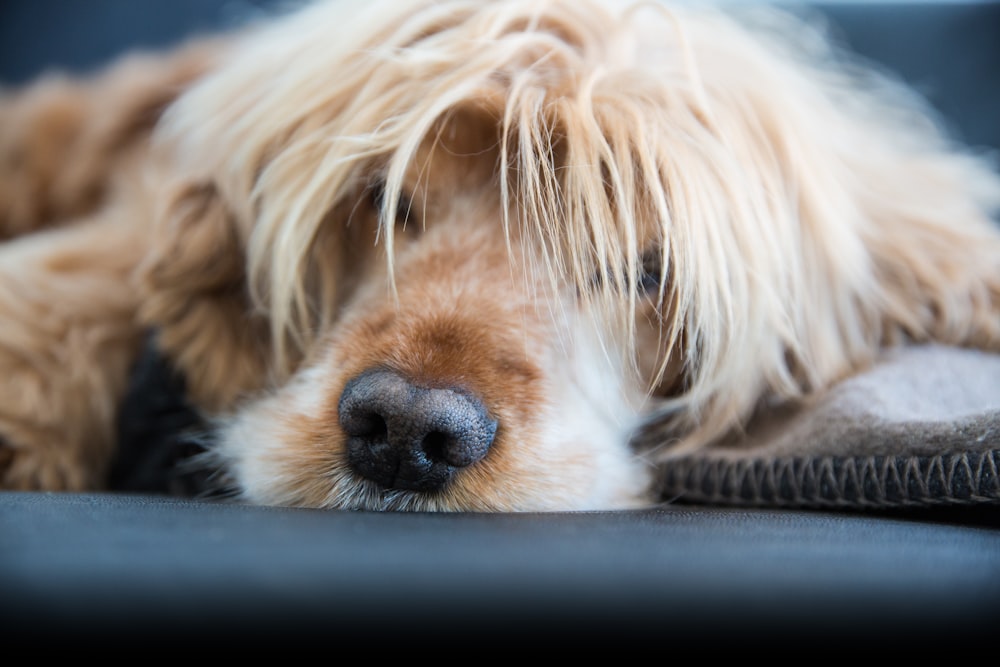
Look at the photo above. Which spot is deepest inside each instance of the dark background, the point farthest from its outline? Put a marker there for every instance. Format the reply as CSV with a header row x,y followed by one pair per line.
x,y
949,51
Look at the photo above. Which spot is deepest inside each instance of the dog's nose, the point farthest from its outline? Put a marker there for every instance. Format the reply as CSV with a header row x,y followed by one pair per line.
x,y
407,437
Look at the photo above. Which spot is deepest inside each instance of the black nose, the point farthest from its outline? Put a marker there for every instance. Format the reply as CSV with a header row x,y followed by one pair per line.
x,y
407,437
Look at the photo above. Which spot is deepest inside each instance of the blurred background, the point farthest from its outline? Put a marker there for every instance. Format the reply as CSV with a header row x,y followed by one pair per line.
x,y
948,49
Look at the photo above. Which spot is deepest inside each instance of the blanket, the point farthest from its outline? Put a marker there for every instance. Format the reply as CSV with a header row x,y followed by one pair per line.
x,y
920,428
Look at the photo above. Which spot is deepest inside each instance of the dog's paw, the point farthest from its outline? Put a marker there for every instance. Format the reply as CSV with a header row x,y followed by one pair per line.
x,y
6,457
39,469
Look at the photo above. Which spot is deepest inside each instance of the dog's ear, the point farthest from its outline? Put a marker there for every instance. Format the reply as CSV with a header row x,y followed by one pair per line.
x,y
897,239
816,210
194,296
933,247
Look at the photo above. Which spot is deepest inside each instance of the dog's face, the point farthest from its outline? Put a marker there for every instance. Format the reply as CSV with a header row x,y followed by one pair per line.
x,y
449,255
462,377
443,339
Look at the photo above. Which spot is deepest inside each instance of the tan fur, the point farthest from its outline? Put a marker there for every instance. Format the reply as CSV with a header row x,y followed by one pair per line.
x,y
610,223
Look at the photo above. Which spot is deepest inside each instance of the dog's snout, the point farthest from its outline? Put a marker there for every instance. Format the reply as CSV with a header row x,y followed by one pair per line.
x,y
408,437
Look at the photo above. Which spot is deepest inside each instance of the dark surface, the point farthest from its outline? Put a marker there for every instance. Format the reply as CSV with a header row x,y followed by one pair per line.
x,y
105,569
138,567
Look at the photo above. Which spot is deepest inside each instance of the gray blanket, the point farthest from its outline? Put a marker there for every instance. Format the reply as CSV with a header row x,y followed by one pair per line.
x,y
921,428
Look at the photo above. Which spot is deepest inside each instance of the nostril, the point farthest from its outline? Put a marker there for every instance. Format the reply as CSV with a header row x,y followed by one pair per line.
x,y
404,436
436,446
365,424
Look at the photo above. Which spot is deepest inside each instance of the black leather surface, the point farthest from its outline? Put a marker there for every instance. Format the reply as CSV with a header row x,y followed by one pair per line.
x,y
140,567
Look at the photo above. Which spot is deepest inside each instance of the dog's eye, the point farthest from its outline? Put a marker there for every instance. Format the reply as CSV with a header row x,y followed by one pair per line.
x,y
376,193
652,270
650,275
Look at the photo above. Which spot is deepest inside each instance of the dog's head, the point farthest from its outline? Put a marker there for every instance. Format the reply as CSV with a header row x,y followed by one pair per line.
x,y
449,255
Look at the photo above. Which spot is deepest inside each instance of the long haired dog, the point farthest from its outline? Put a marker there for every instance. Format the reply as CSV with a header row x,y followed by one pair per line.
x,y
469,255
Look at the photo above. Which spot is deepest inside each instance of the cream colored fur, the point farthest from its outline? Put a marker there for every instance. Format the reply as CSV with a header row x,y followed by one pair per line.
x,y
615,223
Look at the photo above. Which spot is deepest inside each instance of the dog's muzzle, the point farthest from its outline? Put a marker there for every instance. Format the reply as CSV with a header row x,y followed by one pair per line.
x,y
402,436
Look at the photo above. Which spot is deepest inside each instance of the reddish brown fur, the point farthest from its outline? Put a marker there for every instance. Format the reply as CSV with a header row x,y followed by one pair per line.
x,y
72,155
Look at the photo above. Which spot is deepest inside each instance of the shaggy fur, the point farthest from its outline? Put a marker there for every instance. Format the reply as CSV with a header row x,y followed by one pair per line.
x,y
603,233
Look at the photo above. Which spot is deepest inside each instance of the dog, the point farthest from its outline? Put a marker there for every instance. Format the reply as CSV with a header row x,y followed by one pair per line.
x,y
461,255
